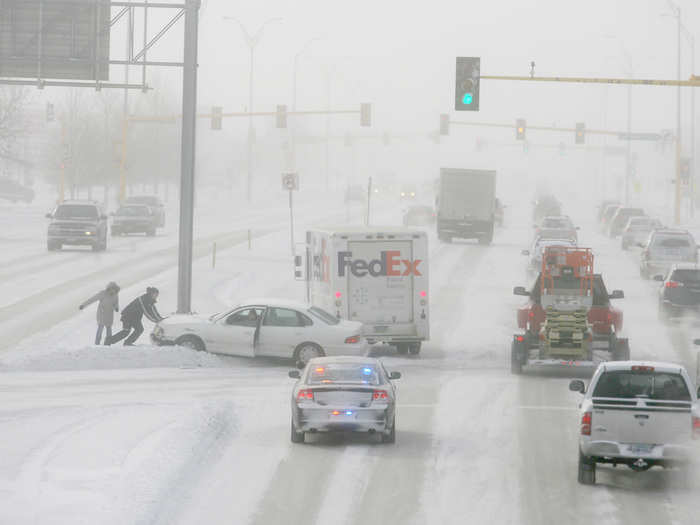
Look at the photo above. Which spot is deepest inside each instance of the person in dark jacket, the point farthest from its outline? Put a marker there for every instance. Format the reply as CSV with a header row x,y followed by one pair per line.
x,y
133,314
108,304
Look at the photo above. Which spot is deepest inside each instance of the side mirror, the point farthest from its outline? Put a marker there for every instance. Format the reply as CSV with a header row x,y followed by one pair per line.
x,y
576,385
48,216
525,252
395,375
617,294
659,277
520,290
696,341
294,374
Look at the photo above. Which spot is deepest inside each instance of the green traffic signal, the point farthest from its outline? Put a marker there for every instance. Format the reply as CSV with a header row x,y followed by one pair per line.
x,y
467,98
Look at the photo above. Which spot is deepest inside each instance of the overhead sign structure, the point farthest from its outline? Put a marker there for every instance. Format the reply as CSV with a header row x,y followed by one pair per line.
x,y
467,78
61,39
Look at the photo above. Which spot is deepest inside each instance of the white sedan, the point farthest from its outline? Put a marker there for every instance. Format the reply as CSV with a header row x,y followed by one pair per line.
x,y
265,327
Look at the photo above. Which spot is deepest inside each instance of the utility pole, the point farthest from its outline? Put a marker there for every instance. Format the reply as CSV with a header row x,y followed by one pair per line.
x,y
252,42
677,211
189,123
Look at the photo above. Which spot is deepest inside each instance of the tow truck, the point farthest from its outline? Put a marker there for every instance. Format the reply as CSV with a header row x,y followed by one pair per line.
x,y
568,320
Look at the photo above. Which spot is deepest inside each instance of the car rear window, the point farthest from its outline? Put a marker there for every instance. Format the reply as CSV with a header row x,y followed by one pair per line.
x,y
627,384
133,211
671,241
323,315
688,276
75,211
344,373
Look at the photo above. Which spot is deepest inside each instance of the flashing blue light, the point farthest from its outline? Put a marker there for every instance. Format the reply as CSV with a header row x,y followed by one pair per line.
x,y
348,412
367,371
467,98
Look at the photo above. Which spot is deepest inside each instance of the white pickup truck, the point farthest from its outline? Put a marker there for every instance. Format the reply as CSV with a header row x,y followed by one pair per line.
x,y
639,414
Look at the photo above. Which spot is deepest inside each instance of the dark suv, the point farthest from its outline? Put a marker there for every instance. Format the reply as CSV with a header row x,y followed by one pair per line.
x,y
135,219
152,202
680,291
81,223
666,248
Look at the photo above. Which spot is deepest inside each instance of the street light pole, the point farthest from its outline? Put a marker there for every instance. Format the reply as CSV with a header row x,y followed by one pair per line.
x,y
252,41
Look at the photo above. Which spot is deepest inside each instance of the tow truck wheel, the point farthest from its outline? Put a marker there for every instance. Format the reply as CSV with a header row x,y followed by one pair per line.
x,y
516,362
586,470
621,350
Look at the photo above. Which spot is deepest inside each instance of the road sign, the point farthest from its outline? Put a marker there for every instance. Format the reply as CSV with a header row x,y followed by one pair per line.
x,y
290,181
639,136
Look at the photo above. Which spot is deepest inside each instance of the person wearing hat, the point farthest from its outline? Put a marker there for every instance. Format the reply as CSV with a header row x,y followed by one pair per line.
x,y
108,304
132,317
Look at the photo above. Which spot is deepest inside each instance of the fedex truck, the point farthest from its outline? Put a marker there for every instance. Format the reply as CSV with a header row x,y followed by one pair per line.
x,y
378,276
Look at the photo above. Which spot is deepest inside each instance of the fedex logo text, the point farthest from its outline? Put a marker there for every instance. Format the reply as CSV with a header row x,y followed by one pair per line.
x,y
388,265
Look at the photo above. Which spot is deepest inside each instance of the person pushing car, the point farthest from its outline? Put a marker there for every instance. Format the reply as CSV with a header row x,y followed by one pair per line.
x,y
108,304
132,317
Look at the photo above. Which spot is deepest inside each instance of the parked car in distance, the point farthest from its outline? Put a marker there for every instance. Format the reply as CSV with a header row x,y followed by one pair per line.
x,y
637,231
534,265
134,219
679,292
152,202
636,413
81,223
265,327
339,394
619,220
561,223
13,191
664,248
419,216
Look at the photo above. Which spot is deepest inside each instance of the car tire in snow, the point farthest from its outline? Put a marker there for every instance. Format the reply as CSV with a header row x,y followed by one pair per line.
x,y
414,348
191,341
307,351
516,361
297,437
391,436
586,470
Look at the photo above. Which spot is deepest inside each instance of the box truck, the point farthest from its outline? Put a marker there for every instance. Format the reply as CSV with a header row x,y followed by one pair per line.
x,y
378,276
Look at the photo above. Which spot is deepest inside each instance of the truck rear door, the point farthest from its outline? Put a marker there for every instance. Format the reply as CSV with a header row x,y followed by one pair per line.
x,y
382,293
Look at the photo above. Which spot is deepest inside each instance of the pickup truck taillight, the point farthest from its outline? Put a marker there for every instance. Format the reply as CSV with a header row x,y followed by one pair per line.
x,y
380,395
586,422
673,284
696,428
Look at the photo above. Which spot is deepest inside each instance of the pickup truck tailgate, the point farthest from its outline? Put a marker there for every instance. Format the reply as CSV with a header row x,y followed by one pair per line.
x,y
641,421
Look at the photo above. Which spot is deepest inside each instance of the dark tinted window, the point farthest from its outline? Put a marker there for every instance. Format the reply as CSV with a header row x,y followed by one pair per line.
x,y
76,211
651,385
671,241
686,276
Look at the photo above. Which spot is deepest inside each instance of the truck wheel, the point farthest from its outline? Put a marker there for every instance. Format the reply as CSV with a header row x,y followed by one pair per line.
x,y
414,348
621,350
516,360
391,436
297,437
53,246
586,470
307,351
402,348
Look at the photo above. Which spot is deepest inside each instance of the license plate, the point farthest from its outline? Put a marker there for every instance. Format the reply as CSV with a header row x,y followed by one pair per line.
x,y
641,449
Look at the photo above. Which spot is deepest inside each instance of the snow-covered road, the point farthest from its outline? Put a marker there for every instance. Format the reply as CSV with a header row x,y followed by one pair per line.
x,y
170,436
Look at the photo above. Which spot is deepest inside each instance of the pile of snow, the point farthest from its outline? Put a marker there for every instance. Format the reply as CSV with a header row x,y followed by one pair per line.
x,y
108,357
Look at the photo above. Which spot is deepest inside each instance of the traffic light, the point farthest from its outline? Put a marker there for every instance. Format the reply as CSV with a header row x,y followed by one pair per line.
x,y
580,133
365,115
467,83
281,116
444,124
216,117
49,112
520,127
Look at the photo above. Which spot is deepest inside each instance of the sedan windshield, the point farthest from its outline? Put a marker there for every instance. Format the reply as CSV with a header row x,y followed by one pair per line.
x,y
344,373
323,315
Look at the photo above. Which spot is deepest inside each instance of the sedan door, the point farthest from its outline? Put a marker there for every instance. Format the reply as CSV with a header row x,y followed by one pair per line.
x,y
282,330
235,333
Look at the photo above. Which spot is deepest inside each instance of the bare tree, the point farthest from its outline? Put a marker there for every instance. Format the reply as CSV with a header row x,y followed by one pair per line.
x,y
12,103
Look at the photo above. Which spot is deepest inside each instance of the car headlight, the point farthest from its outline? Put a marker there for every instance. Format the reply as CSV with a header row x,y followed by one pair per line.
x,y
158,330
